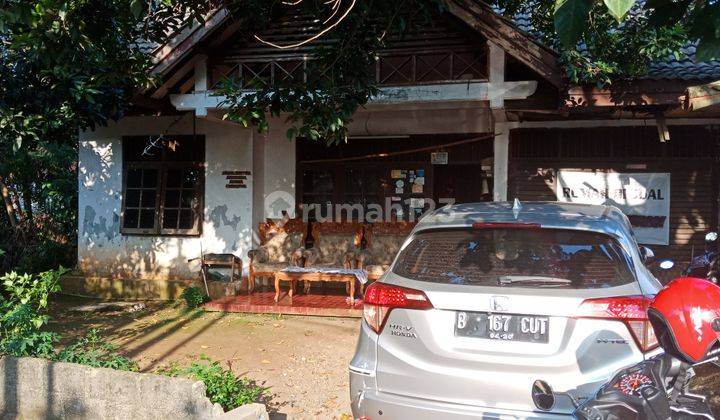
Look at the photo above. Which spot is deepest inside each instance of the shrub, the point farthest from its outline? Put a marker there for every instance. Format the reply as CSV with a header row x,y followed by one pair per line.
x,y
221,385
23,303
91,350
194,296
44,256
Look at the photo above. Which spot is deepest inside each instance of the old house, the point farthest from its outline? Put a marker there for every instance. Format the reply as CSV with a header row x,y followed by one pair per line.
x,y
470,107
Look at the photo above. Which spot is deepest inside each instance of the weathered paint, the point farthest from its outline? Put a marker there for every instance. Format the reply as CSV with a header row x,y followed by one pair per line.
x,y
471,92
227,224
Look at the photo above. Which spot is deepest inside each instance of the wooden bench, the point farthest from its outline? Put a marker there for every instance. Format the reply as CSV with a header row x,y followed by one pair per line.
x,y
336,245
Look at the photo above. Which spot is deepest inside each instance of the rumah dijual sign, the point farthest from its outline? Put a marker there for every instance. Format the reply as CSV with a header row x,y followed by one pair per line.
x,y
643,197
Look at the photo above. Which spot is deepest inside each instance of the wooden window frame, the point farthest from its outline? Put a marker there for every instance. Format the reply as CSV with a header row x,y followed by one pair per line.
x,y
163,167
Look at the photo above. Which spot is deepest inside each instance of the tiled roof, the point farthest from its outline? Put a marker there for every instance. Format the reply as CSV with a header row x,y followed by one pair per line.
x,y
146,46
684,68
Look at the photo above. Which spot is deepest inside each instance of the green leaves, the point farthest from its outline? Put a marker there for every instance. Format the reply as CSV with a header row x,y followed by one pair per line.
x,y
92,350
600,42
708,49
136,6
221,385
23,299
339,79
194,296
571,18
619,8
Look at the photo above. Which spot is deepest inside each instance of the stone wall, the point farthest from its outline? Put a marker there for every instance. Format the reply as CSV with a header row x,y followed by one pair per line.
x,y
37,388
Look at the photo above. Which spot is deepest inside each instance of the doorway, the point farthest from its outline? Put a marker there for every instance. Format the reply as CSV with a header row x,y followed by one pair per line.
x,y
464,183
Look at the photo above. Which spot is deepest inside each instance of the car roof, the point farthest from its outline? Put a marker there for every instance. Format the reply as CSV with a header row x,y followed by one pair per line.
x,y
601,218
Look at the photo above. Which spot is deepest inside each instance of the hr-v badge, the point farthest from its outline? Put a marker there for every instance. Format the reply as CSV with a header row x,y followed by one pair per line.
x,y
500,303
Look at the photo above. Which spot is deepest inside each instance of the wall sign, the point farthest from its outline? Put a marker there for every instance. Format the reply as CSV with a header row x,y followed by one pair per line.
x,y
643,197
439,158
236,179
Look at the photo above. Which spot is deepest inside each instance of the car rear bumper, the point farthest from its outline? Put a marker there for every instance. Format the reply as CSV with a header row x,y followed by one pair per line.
x,y
373,404
391,406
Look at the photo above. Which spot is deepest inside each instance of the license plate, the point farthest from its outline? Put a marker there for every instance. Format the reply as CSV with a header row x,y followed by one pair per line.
x,y
502,327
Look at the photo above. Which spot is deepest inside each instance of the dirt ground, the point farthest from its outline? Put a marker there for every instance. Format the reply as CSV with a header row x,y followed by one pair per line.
x,y
303,360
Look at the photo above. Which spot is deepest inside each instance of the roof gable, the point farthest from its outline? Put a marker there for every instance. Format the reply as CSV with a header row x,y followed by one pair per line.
x,y
516,43
175,61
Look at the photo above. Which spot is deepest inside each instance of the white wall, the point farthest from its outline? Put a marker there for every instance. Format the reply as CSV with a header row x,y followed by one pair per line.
x,y
278,160
227,225
231,216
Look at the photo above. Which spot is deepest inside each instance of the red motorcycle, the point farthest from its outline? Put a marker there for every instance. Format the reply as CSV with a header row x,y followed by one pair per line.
x,y
685,316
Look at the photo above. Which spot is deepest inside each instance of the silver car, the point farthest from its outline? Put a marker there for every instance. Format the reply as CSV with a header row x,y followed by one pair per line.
x,y
484,299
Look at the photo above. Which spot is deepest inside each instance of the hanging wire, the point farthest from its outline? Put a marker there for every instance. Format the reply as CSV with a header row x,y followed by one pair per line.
x,y
334,6
154,143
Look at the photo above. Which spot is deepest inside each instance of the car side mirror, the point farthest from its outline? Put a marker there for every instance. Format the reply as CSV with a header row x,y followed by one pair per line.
x,y
647,254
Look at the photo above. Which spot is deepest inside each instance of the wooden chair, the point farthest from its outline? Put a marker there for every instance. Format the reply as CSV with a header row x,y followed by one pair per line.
x,y
382,243
231,261
283,244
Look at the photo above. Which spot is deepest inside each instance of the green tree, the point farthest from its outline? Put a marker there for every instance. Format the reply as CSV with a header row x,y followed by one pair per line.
x,y
599,42
340,76
578,20
65,66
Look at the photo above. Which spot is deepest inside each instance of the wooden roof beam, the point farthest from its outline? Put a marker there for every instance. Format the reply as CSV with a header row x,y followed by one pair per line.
x,y
505,34
703,96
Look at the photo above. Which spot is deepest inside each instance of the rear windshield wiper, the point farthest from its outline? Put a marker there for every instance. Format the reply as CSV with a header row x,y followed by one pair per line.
x,y
532,279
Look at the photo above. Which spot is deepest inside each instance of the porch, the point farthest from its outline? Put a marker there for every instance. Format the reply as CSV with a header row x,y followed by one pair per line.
x,y
332,303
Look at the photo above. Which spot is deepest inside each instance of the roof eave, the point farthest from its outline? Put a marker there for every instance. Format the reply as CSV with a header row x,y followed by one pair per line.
x,y
520,45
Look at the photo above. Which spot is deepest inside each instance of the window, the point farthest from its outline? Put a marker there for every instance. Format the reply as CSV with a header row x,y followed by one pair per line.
x,y
532,258
163,190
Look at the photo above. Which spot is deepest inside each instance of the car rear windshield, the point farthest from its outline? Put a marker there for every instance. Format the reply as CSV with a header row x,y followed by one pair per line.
x,y
516,257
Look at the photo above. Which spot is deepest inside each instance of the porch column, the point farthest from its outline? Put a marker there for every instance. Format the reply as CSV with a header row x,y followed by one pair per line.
x,y
496,75
496,67
201,82
500,161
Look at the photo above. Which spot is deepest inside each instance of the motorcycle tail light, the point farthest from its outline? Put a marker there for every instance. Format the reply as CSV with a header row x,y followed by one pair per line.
x,y
631,310
381,298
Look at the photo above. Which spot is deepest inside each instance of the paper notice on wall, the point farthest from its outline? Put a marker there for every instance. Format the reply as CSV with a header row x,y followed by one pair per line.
x,y
396,173
643,197
417,189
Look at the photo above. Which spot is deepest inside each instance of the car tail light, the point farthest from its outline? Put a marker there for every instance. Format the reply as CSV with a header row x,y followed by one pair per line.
x,y
381,298
631,310
505,225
